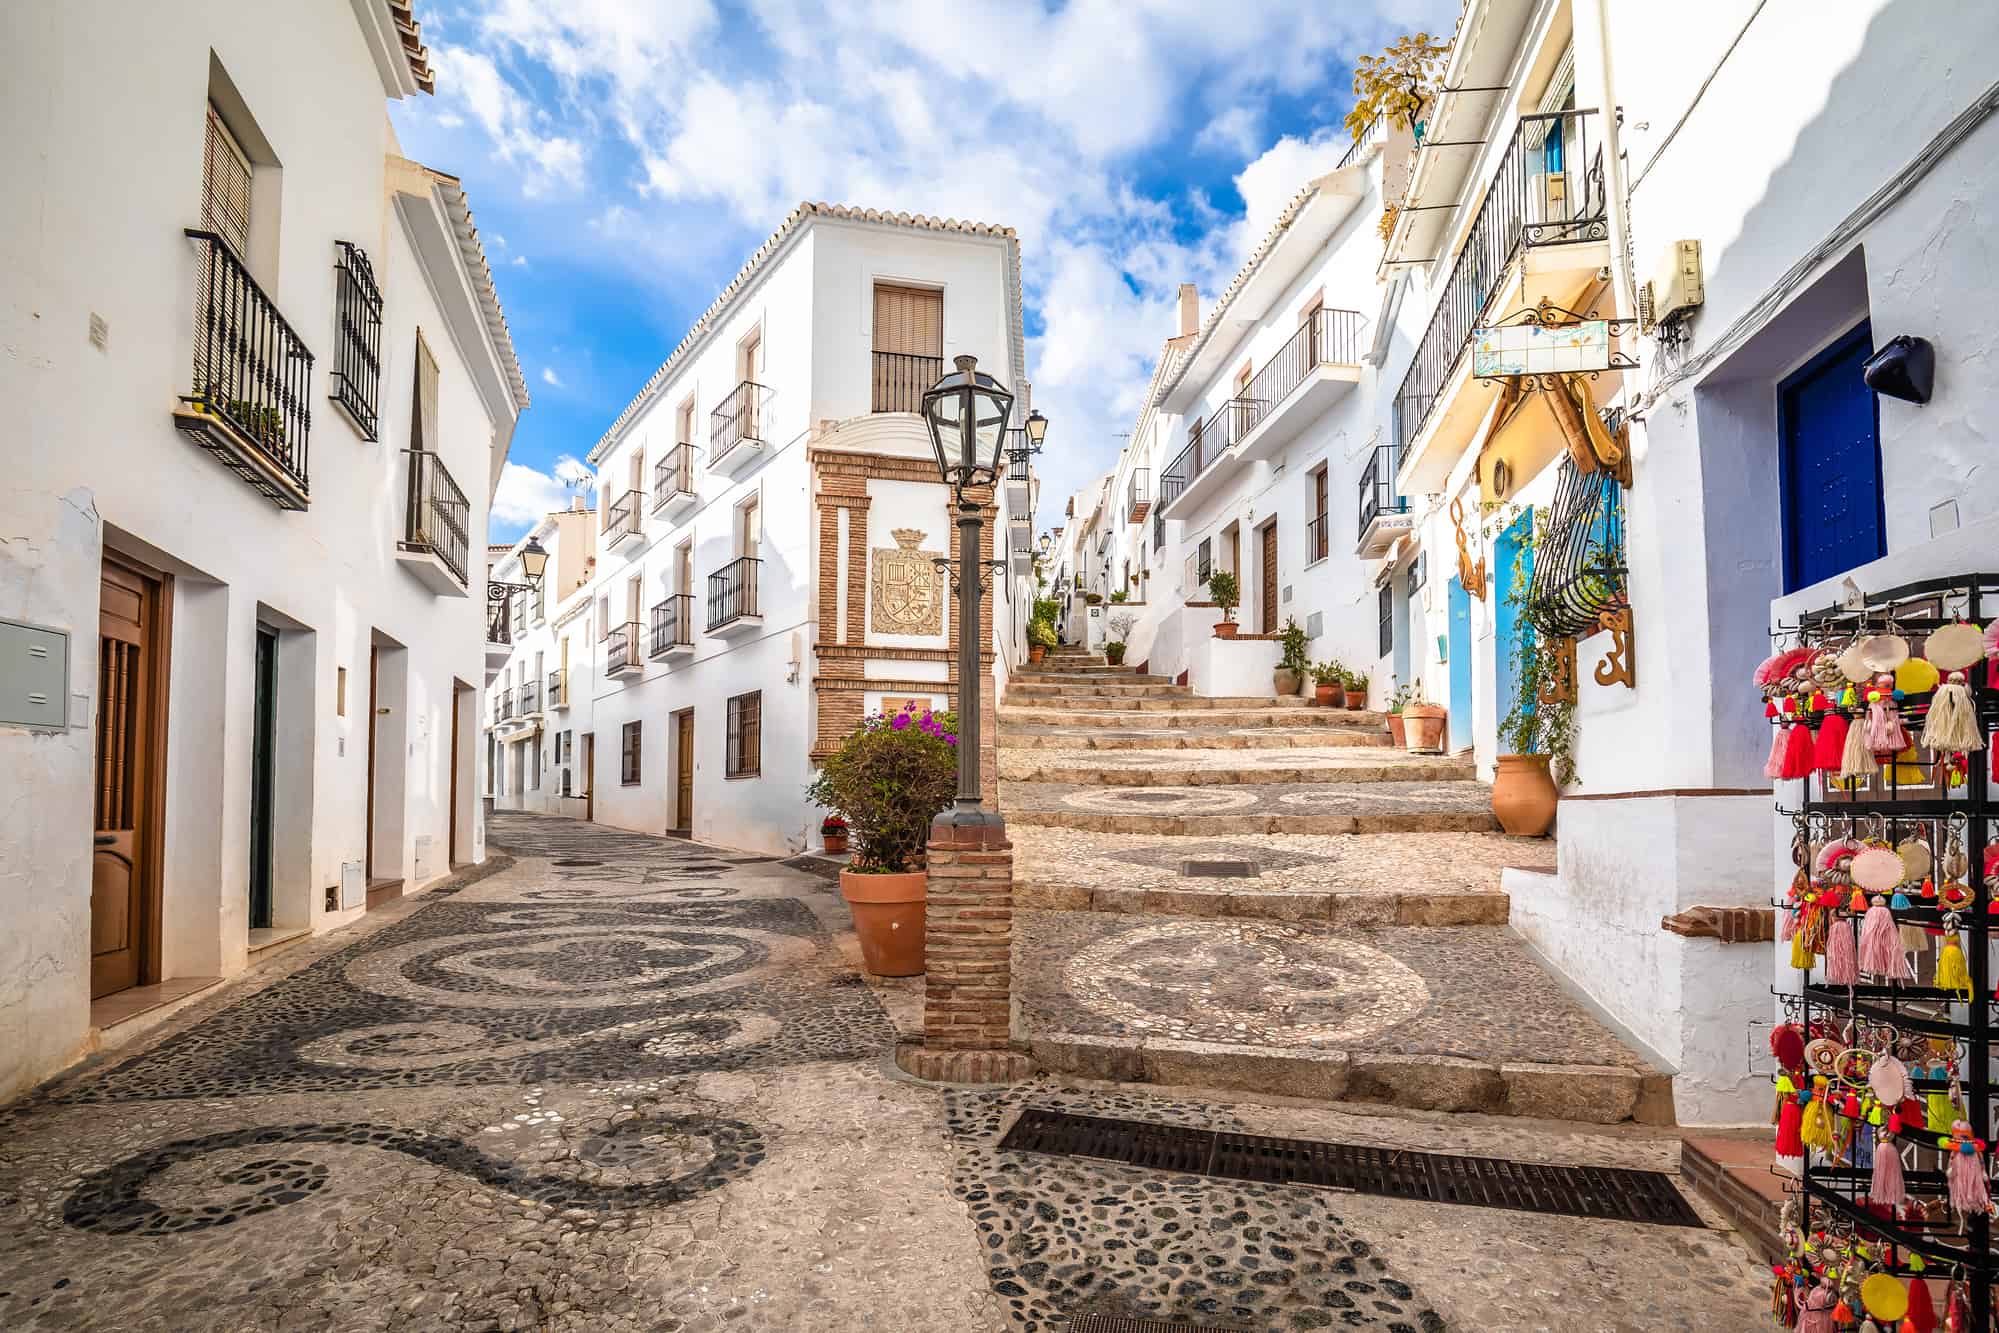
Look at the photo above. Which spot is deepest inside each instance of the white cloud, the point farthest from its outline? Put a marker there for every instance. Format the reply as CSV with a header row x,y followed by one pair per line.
x,y
1234,131
573,472
550,378
526,495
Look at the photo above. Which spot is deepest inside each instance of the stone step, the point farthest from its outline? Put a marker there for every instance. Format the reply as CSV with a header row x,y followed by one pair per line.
x,y
1023,736
1017,690
1409,879
1453,1018
1198,715
1279,807
1732,1172
1176,703
1089,676
1223,768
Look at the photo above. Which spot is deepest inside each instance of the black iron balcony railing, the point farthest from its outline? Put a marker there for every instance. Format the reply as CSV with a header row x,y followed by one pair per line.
x,y
437,517
1158,530
503,706
357,354
1327,338
673,624
1548,190
1207,441
1138,494
499,613
558,689
901,378
530,697
737,421
621,519
1377,487
1019,455
673,475
251,371
621,647
1317,538
732,592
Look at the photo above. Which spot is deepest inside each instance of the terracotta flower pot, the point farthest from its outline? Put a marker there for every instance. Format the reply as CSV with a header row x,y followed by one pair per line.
x,y
1396,731
1423,728
835,843
1524,795
888,916
1356,699
1225,629
1035,652
1114,655
1285,681
1323,696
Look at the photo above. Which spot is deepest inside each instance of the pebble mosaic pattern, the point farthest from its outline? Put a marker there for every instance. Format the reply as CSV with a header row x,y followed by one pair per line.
x,y
1066,1236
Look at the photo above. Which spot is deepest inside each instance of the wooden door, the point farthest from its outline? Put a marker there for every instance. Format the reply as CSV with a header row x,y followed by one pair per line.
x,y
1235,561
451,845
589,775
683,770
1269,576
263,775
1830,464
130,761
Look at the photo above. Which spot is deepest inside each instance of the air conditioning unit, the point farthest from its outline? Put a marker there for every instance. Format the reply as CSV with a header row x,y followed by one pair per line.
x,y
1550,191
1675,286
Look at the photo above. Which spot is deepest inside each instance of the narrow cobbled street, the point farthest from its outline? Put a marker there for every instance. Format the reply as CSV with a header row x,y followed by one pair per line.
x,y
627,1082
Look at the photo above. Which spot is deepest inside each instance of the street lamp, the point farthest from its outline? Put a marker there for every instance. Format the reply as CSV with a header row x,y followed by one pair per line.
x,y
1044,543
534,560
1037,427
966,413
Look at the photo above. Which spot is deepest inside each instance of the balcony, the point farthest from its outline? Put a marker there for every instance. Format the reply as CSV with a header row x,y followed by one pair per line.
x,y
1019,472
621,519
437,522
1318,366
673,626
900,379
1541,233
1318,538
528,698
732,597
1384,513
1138,495
735,429
249,404
357,368
621,649
503,705
558,689
499,625
673,492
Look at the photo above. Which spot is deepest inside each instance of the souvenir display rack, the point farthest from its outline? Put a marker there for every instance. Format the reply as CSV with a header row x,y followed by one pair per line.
x,y
1945,801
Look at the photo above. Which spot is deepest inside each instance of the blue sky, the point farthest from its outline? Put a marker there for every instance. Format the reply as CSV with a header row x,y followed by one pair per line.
x,y
623,157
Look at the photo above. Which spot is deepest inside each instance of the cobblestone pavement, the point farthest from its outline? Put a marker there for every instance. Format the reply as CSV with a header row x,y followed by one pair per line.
x,y
631,1083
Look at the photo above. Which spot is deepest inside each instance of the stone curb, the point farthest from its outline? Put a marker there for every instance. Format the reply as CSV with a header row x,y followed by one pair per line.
x,y
1014,737
1331,907
1590,1094
1419,771
1211,826
1138,719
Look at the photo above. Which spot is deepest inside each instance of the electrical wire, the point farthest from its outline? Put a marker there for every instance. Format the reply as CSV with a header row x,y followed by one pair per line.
x,y
1699,92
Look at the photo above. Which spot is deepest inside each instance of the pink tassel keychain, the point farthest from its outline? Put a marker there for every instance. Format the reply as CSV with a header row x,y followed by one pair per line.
x,y
1885,732
1773,767
1881,944
1842,958
1888,1188
1968,1191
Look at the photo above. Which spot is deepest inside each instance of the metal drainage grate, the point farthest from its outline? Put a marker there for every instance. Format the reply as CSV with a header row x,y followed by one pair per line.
x,y
1219,869
1114,1323
1575,1191
576,863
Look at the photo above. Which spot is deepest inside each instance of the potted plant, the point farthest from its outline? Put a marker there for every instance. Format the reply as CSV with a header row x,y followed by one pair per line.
x,y
1120,597
1422,724
833,832
1396,703
1537,737
1356,689
1040,638
888,779
1328,679
1120,626
1292,666
1222,592
1094,598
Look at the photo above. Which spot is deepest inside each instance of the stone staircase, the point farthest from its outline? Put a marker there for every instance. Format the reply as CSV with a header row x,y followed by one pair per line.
x,y
1254,894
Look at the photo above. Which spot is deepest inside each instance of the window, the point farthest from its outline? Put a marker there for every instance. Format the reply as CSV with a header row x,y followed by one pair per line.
x,y
1385,609
683,428
1317,538
908,346
749,527
357,367
1158,530
746,743
534,767
604,617
683,567
1204,561
628,756
225,186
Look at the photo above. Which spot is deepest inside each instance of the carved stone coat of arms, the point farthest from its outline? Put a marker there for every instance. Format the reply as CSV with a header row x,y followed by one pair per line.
x,y
905,591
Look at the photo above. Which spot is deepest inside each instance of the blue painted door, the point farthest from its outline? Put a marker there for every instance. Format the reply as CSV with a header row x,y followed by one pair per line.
x,y
1830,464
1459,647
1513,569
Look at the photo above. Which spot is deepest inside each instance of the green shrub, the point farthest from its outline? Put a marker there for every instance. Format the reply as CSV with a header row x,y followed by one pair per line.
x,y
890,778
1295,658
1222,592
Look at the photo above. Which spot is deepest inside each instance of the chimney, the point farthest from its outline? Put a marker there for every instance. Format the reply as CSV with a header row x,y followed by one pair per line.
x,y
1190,309
576,504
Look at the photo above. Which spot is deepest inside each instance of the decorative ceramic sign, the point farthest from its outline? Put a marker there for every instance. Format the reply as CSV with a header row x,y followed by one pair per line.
x,y
1541,349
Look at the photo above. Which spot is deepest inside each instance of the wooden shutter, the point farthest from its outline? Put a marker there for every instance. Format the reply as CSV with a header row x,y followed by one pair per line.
x,y
423,413
909,320
225,186
750,530
629,759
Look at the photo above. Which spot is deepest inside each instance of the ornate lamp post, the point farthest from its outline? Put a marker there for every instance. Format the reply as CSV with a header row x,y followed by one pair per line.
x,y
500,596
966,413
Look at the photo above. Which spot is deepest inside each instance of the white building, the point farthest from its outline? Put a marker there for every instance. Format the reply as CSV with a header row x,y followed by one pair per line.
x,y
539,698
263,387
770,509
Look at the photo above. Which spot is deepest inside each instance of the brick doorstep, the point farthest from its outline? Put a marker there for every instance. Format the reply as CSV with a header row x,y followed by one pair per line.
x,y
1734,1175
